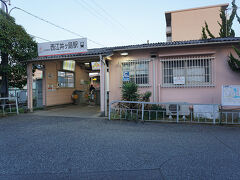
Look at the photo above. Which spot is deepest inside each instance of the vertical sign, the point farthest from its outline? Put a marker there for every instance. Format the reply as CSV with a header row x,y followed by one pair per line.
x,y
126,76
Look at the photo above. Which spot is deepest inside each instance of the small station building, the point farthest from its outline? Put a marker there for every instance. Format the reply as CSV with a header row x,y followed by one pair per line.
x,y
181,71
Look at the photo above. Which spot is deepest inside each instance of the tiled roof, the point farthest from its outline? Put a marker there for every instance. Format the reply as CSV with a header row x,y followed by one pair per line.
x,y
180,43
109,50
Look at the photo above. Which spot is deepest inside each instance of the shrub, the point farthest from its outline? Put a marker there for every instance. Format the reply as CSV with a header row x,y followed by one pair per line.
x,y
146,96
130,92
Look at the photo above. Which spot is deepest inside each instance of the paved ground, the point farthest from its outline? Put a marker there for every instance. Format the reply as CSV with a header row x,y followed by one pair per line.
x,y
41,147
71,111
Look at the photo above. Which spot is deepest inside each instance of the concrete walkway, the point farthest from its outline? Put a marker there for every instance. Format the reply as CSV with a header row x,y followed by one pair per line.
x,y
84,111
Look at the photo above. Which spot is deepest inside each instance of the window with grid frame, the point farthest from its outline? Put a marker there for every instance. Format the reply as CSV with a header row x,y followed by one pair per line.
x,y
187,71
138,71
66,79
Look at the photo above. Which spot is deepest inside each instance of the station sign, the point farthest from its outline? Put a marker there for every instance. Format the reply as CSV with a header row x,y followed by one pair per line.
x,y
72,46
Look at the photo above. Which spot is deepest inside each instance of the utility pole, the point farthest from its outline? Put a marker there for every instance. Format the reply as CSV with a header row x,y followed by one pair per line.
x,y
4,5
4,59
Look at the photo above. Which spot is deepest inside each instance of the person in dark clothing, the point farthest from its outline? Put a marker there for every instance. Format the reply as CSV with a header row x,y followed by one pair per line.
x,y
91,88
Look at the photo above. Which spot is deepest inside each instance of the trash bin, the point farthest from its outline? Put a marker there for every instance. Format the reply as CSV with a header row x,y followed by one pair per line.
x,y
78,97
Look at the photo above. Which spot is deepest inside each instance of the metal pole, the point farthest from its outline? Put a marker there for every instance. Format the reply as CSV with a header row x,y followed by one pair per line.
x,y
16,105
177,113
142,112
4,4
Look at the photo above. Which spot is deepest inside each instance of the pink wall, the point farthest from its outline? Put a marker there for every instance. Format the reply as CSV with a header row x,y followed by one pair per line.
x,y
115,73
222,74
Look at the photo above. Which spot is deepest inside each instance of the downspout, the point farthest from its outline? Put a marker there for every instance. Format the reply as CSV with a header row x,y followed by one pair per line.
x,y
154,79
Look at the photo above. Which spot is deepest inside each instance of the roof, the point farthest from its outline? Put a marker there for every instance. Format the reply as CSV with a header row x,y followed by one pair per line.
x,y
109,50
197,8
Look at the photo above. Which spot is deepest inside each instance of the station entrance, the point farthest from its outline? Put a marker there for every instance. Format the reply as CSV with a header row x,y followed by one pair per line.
x,y
73,86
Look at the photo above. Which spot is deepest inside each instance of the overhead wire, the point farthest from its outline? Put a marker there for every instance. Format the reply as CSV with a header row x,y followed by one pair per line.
x,y
39,38
109,15
95,12
55,25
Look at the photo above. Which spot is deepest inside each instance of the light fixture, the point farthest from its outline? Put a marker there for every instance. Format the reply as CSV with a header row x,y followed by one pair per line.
x,y
124,54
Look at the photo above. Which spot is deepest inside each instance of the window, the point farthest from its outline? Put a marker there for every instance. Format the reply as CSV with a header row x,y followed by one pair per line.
x,y
138,71
187,71
65,79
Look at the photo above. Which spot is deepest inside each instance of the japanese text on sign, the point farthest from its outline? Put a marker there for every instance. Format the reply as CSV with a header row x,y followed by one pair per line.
x,y
62,47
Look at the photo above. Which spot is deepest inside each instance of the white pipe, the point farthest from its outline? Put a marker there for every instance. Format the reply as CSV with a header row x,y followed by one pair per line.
x,y
154,80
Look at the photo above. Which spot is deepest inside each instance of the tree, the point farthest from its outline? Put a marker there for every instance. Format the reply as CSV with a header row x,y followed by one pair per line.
x,y
225,25
16,47
233,62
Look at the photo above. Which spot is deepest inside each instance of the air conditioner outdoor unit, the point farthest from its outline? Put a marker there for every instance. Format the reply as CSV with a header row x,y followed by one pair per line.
x,y
182,108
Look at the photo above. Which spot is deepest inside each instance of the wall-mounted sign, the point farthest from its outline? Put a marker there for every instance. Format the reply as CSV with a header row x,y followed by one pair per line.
x,y
51,87
231,95
126,76
69,65
71,46
179,80
95,65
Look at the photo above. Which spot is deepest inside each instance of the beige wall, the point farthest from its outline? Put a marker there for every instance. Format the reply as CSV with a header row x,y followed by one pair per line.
x,y
222,75
62,95
187,24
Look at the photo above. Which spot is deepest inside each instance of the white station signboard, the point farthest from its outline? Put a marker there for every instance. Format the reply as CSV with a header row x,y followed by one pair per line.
x,y
231,95
72,46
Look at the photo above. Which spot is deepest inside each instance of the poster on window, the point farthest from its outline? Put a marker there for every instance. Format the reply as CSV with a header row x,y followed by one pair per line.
x,y
179,80
231,95
126,76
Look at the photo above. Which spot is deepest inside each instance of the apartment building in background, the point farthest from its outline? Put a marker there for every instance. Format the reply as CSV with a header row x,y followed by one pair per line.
x,y
182,25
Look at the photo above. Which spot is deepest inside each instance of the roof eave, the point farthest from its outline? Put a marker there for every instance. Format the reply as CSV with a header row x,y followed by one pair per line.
x,y
181,45
66,58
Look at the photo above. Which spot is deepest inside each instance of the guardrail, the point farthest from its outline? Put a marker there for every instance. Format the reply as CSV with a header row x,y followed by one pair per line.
x,y
172,112
9,105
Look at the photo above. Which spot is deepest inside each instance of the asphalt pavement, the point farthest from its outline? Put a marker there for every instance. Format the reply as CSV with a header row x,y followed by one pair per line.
x,y
49,147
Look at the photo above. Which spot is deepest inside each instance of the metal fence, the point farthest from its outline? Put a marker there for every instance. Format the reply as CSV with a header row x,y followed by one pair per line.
x,y
172,112
8,105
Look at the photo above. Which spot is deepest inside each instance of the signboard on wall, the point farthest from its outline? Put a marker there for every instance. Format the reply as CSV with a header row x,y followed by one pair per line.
x,y
71,46
126,76
69,65
95,65
231,95
179,80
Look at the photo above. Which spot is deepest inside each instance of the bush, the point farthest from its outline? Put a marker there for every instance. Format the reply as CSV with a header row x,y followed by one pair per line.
x,y
130,92
146,96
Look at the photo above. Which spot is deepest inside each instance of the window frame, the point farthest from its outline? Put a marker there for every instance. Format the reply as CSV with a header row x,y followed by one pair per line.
x,y
143,77
198,62
65,71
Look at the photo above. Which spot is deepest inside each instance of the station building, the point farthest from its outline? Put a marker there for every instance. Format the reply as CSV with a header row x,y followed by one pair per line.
x,y
181,71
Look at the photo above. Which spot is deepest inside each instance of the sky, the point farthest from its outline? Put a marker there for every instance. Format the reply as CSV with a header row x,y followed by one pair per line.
x,y
103,22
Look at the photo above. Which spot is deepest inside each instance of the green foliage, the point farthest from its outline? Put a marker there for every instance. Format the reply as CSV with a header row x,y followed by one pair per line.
x,y
130,92
233,62
146,96
204,35
225,25
16,48
208,31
